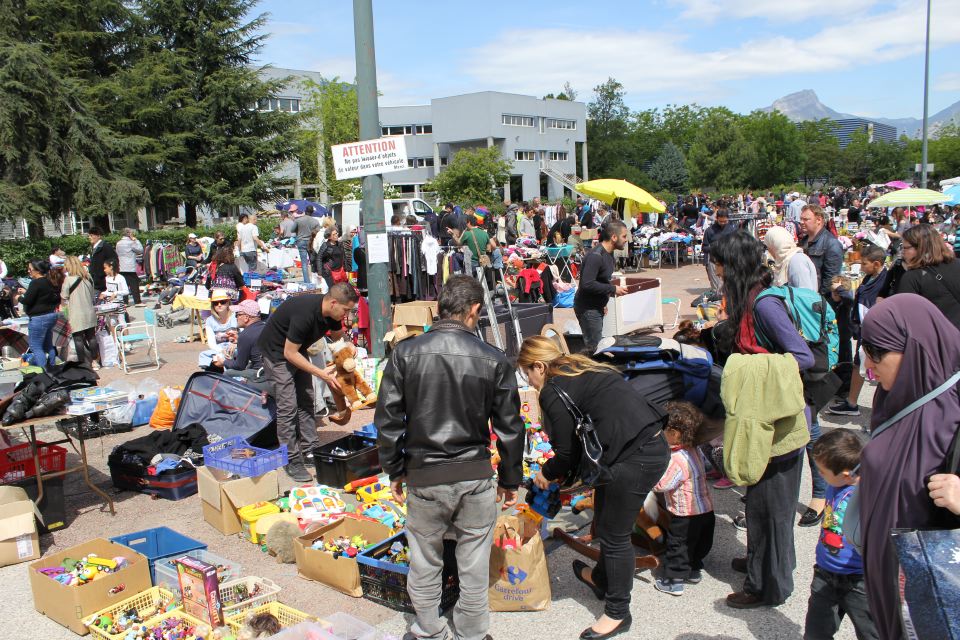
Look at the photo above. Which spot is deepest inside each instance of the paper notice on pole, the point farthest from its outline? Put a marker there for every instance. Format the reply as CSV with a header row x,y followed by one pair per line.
x,y
378,249
369,157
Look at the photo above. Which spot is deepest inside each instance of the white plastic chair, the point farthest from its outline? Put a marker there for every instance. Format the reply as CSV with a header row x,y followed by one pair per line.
x,y
133,333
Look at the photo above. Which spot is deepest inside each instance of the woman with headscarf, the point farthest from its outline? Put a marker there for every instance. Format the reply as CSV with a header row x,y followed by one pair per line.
x,y
790,264
912,349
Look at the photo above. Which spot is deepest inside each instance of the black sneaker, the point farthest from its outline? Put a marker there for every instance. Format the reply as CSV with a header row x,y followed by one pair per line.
x,y
695,577
740,522
844,409
298,472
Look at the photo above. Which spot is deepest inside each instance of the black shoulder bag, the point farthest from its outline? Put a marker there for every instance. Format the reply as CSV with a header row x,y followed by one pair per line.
x,y
590,469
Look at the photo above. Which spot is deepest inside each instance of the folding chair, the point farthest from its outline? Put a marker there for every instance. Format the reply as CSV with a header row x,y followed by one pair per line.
x,y
676,319
560,258
135,333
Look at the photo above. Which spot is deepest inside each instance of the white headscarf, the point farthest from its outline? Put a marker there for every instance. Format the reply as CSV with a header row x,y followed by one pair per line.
x,y
782,247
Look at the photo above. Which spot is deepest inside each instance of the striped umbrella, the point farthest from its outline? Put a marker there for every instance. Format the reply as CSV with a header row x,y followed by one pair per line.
x,y
909,198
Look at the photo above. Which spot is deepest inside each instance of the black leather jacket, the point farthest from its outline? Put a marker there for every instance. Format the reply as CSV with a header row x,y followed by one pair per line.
x,y
438,394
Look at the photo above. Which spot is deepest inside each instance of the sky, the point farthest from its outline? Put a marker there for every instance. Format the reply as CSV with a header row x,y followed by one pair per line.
x,y
861,56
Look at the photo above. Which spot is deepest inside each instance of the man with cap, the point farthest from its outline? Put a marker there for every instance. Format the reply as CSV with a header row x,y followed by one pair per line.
x,y
247,360
193,251
305,226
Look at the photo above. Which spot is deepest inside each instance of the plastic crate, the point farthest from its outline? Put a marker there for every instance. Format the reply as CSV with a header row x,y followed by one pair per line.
x,y
348,458
343,626
16,462
146,604
200,625
288,616
158,544
166,571
386,583
218,455
235,598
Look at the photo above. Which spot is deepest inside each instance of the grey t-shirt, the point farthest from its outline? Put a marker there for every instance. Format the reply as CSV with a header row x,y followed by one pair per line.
x,y
288,227
306,225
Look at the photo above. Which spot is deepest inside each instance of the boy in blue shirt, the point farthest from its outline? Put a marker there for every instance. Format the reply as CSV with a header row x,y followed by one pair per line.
x,y
838,587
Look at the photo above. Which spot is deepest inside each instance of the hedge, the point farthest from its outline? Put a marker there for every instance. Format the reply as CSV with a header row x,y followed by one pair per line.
x,y
17,253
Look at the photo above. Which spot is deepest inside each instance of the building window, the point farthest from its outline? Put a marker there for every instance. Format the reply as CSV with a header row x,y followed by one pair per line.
x,y
558,156
525,156
290,105
411,162
517,121
554,123
397,130
443,161
422,129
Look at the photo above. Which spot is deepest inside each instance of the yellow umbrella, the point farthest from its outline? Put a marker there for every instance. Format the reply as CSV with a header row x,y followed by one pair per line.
x,y
609,190
909,198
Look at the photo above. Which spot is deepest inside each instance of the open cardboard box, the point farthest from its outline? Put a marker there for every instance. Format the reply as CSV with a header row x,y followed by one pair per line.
x,y
19,541
419,313
71,605
339,573
221,495
401,333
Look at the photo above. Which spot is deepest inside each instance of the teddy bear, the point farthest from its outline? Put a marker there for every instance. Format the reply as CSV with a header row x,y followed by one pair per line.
x,y
351,382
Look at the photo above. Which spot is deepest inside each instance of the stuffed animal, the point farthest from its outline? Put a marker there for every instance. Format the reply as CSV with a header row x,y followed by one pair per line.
x,y
259,625
351,382
280,539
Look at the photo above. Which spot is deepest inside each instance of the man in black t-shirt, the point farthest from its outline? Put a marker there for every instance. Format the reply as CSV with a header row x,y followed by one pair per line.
x,y
596,284
292,329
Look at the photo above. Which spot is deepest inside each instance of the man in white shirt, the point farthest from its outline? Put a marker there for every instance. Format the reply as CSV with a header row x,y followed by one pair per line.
x,y
248,239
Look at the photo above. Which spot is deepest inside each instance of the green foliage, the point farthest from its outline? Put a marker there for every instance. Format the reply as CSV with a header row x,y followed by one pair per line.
x,y
473,176
669,170
821,151
607,128
331,117
777,149
719,155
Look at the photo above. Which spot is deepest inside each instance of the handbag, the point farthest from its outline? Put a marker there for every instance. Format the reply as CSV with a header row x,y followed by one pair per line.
x,y
851,519
590,470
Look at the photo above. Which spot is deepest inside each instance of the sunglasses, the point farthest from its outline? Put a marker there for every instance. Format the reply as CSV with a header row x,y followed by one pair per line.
x,y
220,303
873,352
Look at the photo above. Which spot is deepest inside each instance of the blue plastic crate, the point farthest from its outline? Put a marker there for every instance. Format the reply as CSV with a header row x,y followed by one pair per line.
x,y
158,544
368,431
386,583
218,455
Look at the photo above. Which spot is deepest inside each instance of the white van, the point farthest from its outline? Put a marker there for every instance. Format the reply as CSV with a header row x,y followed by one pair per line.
x,y
347,213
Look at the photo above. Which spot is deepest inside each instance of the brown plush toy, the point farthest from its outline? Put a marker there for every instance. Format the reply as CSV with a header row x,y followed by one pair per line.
x,y
351,382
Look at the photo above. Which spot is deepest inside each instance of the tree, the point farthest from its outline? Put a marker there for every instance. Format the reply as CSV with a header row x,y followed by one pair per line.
x,y
944,151
886,161
719,156
607,127
821,151
209,141
669,170
473,176
855,160
331,117
568,93
777,149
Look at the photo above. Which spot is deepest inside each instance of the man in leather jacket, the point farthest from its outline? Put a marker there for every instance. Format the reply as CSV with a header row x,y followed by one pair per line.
x,y
438,394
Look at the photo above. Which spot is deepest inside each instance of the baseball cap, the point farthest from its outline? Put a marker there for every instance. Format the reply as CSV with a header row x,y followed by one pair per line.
x,y
192,236
247,307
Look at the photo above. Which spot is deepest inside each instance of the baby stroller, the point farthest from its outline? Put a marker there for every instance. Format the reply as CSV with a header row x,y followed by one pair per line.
x,y
175,285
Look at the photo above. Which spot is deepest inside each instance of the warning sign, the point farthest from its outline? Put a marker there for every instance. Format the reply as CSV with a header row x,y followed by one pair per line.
x,y
369,157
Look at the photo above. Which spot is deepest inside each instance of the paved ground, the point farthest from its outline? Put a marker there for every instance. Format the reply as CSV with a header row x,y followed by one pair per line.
x,y
699,614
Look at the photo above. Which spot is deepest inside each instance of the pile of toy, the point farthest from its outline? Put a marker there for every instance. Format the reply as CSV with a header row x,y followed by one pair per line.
x,y
75,573
130,622
398,554
341,546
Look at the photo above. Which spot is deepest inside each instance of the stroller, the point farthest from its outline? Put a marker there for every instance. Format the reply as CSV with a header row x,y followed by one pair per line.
x,y
175,285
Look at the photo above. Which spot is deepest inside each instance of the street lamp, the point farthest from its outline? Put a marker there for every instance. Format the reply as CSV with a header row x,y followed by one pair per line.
x,y
926,99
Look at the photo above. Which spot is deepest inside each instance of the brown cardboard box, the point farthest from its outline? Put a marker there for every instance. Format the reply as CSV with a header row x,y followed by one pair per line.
x,y
419,313
19,541
71,605
531,399
401,333
339,573
221,496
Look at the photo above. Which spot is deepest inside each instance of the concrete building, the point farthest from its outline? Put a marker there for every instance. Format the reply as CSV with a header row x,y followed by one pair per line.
x,y
844,128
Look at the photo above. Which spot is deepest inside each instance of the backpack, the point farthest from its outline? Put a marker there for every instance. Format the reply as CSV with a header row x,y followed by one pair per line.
x,y
814,318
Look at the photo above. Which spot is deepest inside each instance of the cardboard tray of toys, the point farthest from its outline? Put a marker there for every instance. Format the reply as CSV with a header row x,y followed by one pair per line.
x,y
339,571
115,621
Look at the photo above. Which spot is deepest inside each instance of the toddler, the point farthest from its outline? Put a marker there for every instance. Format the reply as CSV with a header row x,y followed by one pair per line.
x,y
684,488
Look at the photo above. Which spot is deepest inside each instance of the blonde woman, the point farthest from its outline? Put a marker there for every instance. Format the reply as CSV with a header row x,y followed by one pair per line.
x,y
634,449
77,295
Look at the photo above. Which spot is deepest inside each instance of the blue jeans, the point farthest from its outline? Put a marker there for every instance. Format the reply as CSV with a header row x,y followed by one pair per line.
x,y
591,326
303,248
40,339
819,484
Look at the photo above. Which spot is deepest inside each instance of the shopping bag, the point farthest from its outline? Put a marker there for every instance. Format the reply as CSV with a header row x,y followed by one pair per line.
x,y
519,580
929,584
165,413
109,356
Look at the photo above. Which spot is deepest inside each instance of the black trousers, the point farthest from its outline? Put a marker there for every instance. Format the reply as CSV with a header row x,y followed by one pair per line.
x,y
771,508
616,506
832,596
133,283
689,540
86,344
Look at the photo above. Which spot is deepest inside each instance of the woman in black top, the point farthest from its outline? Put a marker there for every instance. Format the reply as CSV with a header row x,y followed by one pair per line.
x,y
634,448
330,258
40,303
932,271
224,274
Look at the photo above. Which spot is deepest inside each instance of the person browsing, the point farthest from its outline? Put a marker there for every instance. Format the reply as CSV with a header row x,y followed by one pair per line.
x,y
595,282
248,358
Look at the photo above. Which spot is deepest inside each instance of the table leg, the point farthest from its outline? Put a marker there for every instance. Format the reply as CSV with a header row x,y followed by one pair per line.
x,y
36,464
86,478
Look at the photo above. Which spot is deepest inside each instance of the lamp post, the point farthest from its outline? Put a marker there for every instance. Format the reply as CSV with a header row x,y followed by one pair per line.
x,y
926,99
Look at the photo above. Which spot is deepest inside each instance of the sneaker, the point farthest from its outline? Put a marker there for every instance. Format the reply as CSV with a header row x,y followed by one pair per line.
x,y
669,585
740,522
695,577
844,408
298,472
723,483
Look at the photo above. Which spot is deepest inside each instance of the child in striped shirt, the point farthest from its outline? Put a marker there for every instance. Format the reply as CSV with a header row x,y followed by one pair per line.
x,y
684,488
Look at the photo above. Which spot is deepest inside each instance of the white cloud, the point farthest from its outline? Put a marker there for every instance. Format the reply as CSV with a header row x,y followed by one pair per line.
x,y
649,62
947,82
824,10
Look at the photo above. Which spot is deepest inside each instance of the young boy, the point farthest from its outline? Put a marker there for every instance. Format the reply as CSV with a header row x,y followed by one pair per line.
x,y
684,487
871,262
838,585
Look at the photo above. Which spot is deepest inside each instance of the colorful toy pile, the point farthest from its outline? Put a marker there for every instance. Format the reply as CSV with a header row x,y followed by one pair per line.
x,y
341,546
79,572
131,621
398,554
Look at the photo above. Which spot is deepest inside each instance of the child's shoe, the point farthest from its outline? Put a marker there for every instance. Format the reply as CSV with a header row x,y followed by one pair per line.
x,y
723,483
669,585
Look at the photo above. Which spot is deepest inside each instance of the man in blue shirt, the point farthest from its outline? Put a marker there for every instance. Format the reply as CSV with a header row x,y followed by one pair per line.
x,y
838,586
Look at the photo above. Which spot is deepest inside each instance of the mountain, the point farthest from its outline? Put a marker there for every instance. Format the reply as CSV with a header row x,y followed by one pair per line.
x,y
805,105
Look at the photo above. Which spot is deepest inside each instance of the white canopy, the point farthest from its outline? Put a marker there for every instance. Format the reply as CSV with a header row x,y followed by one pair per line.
x,y
951,181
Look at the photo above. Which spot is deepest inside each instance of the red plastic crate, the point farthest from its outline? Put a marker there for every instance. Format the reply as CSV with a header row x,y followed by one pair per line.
x,y
16,463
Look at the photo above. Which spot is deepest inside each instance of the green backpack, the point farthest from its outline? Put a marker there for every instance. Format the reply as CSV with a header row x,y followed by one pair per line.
x,y
814,318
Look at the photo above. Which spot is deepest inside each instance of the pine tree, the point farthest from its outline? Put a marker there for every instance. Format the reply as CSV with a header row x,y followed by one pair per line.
x,y
669,170
719,156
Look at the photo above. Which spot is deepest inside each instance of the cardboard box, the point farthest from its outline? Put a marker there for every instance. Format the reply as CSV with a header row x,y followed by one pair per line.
x,y
530,401
401,333
339,573
222,495
200,590
419,313
71,605
19,541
